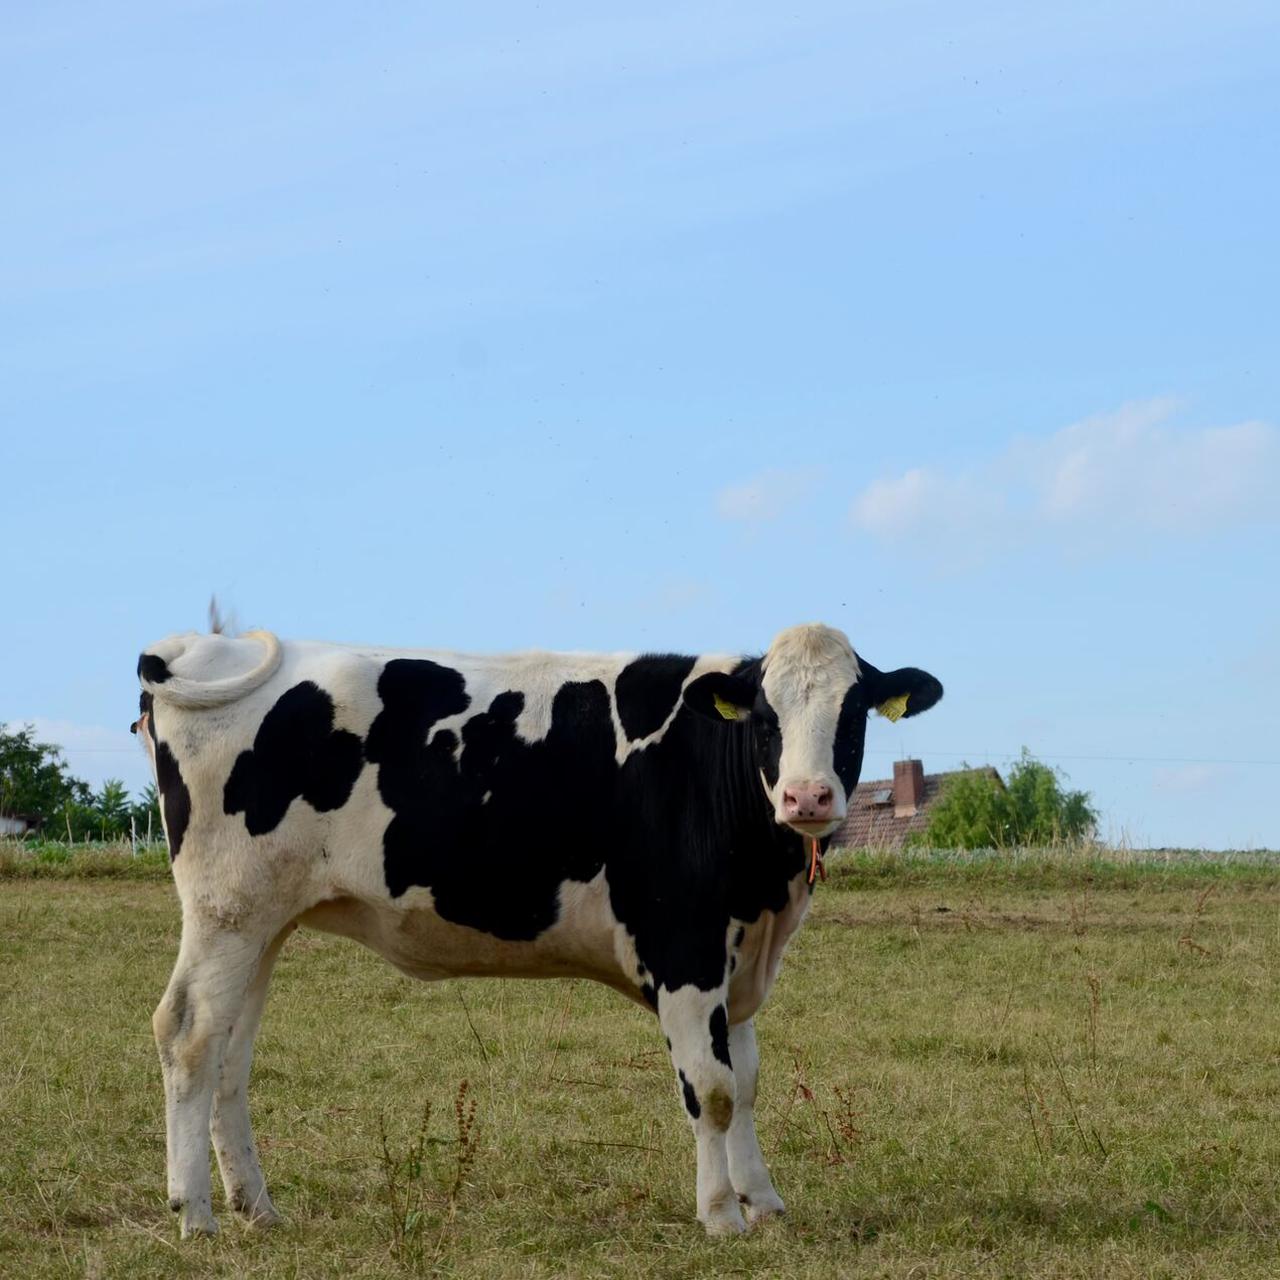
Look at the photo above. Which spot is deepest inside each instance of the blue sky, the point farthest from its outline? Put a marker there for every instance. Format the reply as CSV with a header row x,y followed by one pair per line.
x,y
664,327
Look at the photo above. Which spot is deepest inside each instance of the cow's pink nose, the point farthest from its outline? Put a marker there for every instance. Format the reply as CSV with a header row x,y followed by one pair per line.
x,y
810,803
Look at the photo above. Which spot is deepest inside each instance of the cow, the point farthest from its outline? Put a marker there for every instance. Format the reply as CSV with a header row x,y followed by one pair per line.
x,y
652,822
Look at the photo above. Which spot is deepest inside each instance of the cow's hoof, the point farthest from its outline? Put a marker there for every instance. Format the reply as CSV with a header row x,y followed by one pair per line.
x,y
763,1205
195,1221
258,1213
725,1222
263,1217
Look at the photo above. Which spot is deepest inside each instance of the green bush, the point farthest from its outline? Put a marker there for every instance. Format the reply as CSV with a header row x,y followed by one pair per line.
x,y
1033,808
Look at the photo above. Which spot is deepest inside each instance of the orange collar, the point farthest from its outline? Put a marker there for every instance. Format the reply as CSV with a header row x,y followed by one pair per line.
x,y
816,864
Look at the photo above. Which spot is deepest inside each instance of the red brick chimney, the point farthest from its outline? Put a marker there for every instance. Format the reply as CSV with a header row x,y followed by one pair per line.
x,y
908,787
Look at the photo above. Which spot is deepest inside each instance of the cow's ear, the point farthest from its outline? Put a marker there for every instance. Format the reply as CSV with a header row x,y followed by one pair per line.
x,y
720,696
905,692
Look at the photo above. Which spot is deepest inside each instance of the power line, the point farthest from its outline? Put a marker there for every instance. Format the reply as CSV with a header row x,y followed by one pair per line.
x,y
1014,755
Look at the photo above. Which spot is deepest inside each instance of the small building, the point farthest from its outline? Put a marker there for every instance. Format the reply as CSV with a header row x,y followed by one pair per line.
x,y
883,812
17,824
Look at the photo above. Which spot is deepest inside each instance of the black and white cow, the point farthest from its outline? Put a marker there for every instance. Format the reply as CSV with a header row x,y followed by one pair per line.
x,y
643,821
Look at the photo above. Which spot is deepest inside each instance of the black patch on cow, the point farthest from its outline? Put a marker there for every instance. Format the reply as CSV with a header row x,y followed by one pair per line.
x,y
153,669
494,824
850,737
766,732
491,824
415,694
296,753
650,994
145,703
647,691
719,1027
691,1103
174,795
738,937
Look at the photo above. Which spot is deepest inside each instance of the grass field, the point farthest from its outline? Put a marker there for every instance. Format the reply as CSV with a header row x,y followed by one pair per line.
x,y
1043,1066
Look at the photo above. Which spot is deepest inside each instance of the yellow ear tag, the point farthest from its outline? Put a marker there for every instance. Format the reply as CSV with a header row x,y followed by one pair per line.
x,y
727,709
894,708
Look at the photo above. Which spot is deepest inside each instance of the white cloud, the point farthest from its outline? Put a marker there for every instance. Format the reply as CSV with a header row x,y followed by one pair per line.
x,y
1188,777
765,497
1127,472
918,498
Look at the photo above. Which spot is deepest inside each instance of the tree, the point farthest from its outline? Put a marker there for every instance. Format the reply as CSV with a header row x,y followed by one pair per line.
x,y
74,821
111,801
1033,808
146,813
34,777
34,781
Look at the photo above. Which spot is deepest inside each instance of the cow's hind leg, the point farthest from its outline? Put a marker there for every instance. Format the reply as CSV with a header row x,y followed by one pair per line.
x,y
230,1126
696,1024
747,1169
192,1026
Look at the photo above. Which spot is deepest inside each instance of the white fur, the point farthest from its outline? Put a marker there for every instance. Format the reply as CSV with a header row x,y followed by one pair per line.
x,y
747,1170
759,956
685,1016
807,672
207,671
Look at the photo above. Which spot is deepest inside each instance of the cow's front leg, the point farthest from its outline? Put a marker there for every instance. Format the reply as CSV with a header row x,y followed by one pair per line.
x,y
747,1169
697,1027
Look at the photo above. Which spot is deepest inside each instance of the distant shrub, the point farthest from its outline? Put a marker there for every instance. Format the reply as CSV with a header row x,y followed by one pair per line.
x,y
1032,808
91,860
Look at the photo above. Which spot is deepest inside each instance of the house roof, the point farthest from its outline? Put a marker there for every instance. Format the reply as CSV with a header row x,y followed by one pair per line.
x,y
871,820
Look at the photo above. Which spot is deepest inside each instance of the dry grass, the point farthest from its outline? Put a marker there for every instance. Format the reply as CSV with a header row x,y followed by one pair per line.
x,y
968,1070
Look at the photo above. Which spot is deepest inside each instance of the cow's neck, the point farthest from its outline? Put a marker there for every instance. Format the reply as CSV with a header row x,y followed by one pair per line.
x,y
764,857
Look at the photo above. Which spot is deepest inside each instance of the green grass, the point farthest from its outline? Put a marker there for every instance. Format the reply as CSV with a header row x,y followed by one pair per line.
x,y
94,859
1062,867
1051,1065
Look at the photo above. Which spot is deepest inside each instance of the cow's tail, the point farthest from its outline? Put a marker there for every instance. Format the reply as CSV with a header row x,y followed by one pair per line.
x,y
181,691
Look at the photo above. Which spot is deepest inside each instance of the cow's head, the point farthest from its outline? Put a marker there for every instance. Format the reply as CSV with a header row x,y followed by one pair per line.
x,y
807,702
